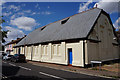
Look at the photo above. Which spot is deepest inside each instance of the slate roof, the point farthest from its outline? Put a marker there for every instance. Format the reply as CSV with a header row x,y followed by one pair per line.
x,y
74,27
15,41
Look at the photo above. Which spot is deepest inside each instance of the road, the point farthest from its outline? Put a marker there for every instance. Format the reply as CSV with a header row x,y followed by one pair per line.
x,y
27,71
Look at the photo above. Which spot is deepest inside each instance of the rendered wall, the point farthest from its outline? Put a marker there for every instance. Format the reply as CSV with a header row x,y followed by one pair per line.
x,y
77,53
28,52
103,50
55,53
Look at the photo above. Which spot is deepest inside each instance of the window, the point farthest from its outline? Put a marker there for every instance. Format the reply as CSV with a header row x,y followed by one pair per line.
x,y
43,28
64,21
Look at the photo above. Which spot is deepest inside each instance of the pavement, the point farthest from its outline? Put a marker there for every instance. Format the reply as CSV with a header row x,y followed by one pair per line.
x,y
42,71
100,73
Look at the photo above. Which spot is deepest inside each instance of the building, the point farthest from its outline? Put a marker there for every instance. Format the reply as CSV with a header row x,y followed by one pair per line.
x,y
75,40
9,46
0,40
118,35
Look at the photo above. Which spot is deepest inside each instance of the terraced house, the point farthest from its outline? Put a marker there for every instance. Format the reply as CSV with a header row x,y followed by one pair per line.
x,y
9,46
75,40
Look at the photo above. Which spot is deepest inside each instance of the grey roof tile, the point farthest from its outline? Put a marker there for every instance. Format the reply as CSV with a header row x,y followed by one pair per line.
x,y
77,26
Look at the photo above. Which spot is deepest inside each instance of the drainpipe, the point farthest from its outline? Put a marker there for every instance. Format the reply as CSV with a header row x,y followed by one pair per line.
x,y
84,53
31,52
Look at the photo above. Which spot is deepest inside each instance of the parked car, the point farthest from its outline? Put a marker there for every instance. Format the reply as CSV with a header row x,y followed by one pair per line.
x,y
7,57
3,54
18,58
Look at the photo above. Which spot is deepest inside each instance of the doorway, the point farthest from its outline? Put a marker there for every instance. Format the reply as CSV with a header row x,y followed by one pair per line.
x,y
70,57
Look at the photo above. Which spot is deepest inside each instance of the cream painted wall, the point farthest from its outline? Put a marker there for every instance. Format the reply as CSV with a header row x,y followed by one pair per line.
x,y
55,53
103,50
58,53
28,52
36,55
77,53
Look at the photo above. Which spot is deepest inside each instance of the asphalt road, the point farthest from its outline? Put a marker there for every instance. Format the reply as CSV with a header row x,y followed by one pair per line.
x,y
27,71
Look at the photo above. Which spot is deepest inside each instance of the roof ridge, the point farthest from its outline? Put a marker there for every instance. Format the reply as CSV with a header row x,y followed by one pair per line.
x,y
11,42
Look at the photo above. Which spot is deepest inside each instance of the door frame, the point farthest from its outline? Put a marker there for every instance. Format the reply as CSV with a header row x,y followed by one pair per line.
x,y
69,49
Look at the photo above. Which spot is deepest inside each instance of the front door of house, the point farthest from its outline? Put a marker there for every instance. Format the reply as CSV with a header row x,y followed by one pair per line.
x,y
70,56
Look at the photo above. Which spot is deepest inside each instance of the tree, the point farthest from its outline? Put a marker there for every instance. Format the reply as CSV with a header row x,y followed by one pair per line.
x,y
3,34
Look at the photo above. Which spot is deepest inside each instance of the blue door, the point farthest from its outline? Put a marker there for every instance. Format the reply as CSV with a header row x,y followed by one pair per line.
x,y
70,56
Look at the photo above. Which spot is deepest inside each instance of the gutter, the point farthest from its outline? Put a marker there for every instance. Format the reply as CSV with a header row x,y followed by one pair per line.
x,y
84,38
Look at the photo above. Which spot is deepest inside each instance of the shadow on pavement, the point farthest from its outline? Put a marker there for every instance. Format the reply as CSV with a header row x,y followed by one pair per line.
x,y
9,70
21,77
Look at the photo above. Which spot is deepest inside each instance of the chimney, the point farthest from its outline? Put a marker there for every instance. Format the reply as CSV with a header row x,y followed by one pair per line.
x,y
25,35
18,38
96,5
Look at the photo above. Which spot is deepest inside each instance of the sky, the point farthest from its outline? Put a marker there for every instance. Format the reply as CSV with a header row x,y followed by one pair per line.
x,y
24,17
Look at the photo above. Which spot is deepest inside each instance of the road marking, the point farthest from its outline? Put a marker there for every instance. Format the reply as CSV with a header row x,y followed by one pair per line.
x,y
25,68
4,77
4,62
51,76
12,64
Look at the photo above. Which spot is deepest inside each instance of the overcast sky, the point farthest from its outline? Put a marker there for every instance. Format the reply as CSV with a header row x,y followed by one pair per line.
x,y
23,17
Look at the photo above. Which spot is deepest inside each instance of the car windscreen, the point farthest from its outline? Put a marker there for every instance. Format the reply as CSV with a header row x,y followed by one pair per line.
x,y
9,55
